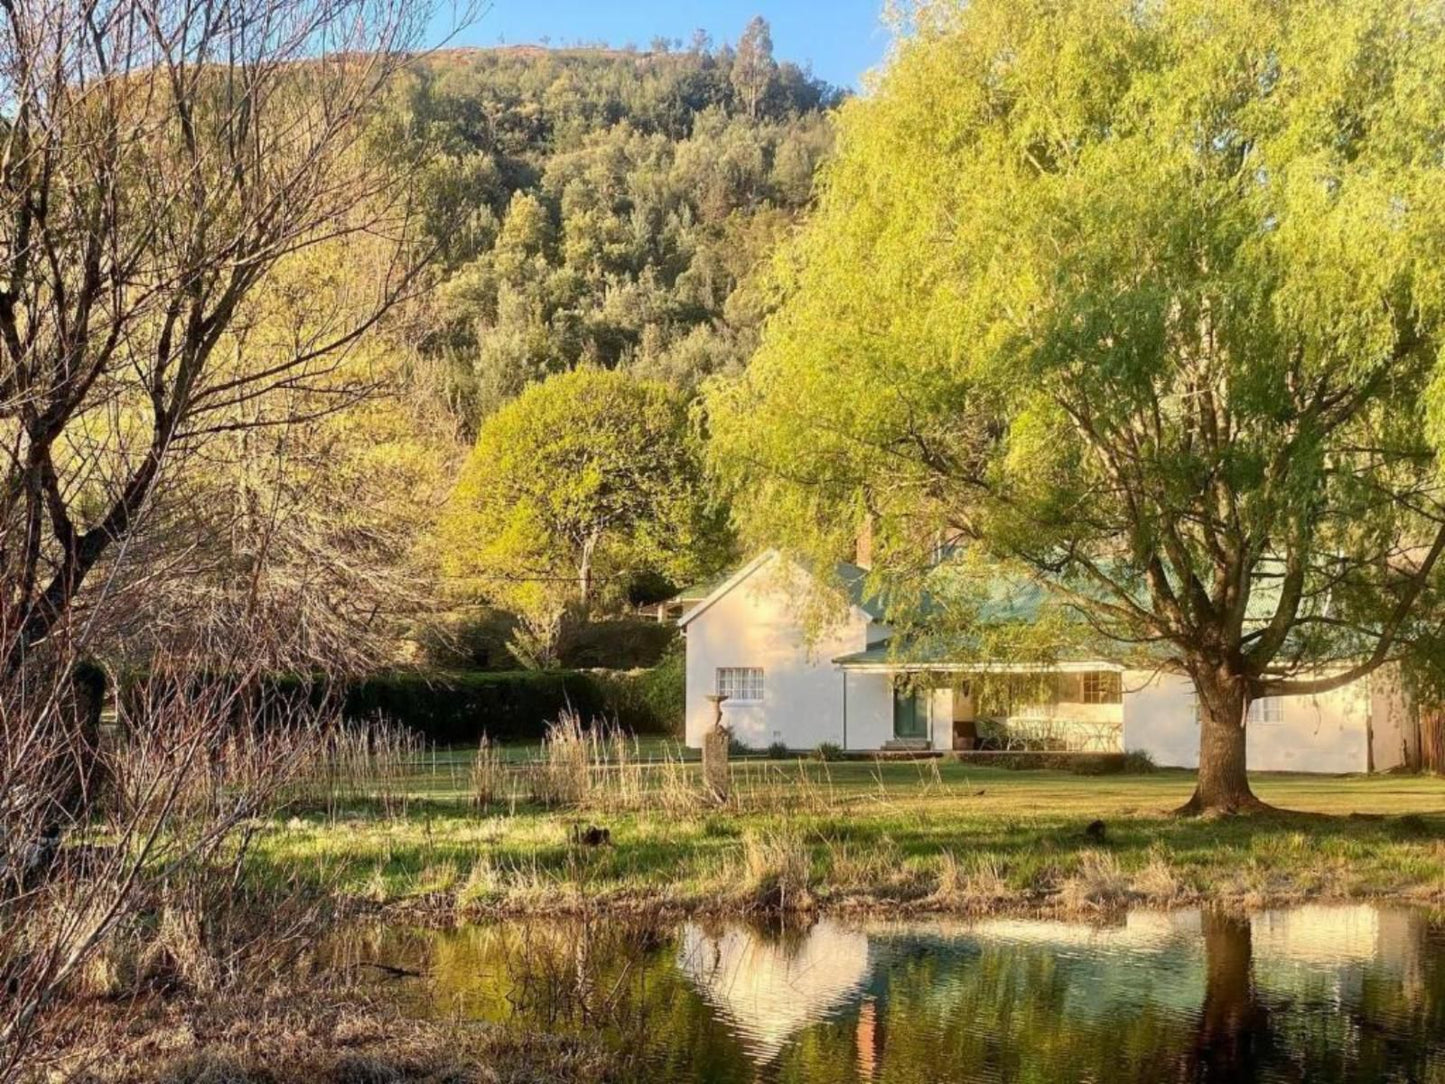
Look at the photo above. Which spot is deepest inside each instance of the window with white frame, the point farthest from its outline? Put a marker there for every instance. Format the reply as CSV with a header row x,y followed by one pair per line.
x,y
1268,710
1101,687
740,682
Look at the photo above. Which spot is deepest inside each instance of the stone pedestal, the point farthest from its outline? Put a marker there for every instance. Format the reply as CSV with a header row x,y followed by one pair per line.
x,y
715,741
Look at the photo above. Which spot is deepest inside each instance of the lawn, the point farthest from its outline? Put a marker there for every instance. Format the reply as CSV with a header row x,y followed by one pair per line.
x,y
922,835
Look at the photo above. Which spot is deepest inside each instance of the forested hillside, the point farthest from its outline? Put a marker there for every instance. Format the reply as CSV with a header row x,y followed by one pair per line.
x,y
602,207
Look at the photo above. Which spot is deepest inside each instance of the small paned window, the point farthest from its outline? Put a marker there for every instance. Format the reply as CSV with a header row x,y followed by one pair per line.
x,y
740,682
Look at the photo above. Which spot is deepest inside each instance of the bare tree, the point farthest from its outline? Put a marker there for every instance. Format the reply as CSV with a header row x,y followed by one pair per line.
x,y
296,547
161,858
158,160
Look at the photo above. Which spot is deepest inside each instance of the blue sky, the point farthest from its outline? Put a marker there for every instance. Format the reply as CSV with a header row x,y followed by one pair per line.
x,y
841,38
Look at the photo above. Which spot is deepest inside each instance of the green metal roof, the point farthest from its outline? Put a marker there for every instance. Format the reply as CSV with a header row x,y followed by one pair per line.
x,y
698,591
854,581
1010,600
881,656
850,577
1000,605
885,655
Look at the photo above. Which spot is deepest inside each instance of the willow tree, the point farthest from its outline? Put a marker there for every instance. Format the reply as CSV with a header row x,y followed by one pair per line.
x,y
1145,299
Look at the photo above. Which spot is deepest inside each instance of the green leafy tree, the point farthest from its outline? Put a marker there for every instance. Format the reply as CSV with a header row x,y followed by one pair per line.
x,y
583,483
1145,299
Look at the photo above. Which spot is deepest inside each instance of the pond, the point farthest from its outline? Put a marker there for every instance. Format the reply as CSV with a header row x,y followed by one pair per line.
x,y
1315,993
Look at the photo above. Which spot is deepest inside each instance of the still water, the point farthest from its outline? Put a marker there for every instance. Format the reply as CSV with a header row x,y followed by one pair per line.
x,y
1312,994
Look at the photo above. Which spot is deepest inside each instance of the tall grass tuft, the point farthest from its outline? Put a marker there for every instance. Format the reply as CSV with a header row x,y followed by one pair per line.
x,y
599,767
563,774
978,883
1098,884
1157,882
488,774
370,762
777,873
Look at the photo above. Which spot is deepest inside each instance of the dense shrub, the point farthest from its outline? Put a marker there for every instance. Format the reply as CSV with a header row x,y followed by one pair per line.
x,y
474,641
664,689
622,643
479,641
1139,762
1077,763
457,708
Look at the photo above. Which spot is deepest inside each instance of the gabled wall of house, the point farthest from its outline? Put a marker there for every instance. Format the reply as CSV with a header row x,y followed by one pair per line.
x,y
757,624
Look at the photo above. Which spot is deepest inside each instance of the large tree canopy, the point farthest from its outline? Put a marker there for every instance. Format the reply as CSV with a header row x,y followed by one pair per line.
x,y
584,482
1145,299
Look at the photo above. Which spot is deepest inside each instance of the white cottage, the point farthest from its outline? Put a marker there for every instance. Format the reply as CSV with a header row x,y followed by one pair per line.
x,y
748,640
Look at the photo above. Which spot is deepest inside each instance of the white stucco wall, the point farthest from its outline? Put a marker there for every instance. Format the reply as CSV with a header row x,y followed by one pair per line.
x,y
757,624
1324,733
1396,737
870,710
1159,718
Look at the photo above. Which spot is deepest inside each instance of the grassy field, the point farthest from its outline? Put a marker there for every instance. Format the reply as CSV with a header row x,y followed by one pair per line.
x,y
924,835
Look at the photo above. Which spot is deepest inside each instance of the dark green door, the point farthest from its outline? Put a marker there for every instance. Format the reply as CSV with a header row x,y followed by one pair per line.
x,y
910,714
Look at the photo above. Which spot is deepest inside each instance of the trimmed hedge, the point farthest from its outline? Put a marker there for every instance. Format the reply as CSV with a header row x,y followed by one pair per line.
x,y
480,641
1132,763
457,708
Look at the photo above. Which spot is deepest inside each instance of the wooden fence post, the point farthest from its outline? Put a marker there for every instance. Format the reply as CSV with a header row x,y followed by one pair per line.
x,y
1432,740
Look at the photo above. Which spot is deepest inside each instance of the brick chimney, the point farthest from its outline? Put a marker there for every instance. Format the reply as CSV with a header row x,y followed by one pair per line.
x,y
863,550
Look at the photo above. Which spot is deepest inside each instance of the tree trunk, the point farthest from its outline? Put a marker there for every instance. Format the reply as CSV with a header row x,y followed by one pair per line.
x,y
584,575
1432,739
1223,784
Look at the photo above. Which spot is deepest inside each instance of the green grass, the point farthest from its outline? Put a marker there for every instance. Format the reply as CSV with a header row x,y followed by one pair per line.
x,y
918,835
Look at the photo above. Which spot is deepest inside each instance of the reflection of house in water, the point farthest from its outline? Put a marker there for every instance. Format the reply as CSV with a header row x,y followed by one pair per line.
x,y
1158,956
1332,950
770,987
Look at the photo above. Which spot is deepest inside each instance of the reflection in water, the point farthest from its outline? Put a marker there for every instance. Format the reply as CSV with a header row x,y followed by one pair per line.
x,y
1234,1035
769,987
1315,993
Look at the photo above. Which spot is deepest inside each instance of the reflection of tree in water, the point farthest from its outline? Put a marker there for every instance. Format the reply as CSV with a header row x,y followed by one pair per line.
x,y
1366,1022
1235,1039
